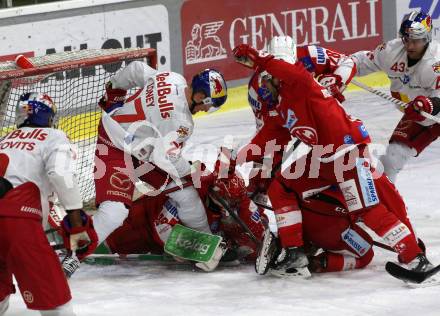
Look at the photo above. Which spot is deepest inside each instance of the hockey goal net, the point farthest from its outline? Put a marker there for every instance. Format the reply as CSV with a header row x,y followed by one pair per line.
x,y
75,81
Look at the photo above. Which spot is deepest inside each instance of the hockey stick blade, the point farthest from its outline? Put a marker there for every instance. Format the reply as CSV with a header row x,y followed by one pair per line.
x,y
407,275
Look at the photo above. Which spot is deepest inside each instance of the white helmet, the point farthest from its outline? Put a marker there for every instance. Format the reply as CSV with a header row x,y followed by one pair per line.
x,y
283,47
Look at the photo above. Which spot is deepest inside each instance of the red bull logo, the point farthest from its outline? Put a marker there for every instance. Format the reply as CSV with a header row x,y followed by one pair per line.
x,y
217,85
436,67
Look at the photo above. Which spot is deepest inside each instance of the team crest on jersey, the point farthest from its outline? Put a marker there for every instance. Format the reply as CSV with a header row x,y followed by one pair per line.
x,y
307,134
436,67
381,46
291,119
183,131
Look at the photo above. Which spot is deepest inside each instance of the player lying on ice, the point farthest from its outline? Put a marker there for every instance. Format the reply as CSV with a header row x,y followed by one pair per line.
x,y
332,70
141,138
339,156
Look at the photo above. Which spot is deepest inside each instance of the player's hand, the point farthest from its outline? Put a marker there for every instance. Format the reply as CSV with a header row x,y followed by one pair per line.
x,y
420,103
333,83
112,99
249,56
79,238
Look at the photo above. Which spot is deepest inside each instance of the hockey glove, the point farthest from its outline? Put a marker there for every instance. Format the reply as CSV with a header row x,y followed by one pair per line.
x,y
112,99
82,240
250,57
420,103
333,83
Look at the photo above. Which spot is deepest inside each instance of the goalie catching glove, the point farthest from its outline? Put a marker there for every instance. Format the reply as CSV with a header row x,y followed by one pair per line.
x,y
112,99
81,240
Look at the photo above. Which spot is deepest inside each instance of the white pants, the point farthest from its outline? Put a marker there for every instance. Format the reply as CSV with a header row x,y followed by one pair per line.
x,y
110,216
395,158
191,210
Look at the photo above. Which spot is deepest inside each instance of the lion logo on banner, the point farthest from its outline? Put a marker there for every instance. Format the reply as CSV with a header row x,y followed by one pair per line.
x,y
205,45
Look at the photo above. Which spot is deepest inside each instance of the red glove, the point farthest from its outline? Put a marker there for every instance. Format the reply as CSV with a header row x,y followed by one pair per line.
x,y
81,240
112,99
250,57
420,103
333,83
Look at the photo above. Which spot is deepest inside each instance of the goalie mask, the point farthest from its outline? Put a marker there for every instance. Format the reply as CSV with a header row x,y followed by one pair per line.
x,y
232,189
416,25
34,109
213,85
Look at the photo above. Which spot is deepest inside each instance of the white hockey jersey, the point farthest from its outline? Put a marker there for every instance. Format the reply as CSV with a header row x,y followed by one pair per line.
x,y
45,157
423,78
154,123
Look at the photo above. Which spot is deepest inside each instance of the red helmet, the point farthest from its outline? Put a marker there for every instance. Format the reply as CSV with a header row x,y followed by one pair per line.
x,y
232,188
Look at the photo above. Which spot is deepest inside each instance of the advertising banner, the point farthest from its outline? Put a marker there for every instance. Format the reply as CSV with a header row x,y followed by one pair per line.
x,y
134,27
428,6
211,29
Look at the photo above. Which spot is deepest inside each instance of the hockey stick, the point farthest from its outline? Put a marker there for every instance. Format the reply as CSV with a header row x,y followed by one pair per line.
x,y
399,104
235,217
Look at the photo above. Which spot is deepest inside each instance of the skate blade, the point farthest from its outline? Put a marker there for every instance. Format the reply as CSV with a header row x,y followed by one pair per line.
x,y
299,273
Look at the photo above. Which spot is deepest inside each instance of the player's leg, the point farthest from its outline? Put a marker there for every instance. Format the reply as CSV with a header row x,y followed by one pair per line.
x,y
114,189
345,246
42,284
408,140
6,286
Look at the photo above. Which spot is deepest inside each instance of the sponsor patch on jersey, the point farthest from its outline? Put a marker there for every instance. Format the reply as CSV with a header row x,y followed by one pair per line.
x,y
366,182
363,131
320,58
355,241
405,79
436,67
348,139
253,99
291,119
351,195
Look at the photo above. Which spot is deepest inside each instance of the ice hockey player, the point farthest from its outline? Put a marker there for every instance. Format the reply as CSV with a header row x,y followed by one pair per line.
x,y
412,62
142,137
36,160
151,220
332,70
338,156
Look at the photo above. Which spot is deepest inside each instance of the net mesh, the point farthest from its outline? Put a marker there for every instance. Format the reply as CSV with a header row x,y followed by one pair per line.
x,y
76,93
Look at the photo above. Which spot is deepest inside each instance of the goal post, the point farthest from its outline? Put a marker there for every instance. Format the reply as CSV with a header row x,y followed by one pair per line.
x,y
75,81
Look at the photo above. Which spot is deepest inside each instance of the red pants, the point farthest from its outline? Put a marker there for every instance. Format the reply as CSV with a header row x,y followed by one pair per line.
x,y
415,135
26,254
361,198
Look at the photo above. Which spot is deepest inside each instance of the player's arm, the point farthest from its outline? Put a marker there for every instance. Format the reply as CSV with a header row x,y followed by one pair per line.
x,y
371,61
135,75
332,69
77,228
280,69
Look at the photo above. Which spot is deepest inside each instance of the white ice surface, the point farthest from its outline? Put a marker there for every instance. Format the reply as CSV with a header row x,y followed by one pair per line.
x,y
144,289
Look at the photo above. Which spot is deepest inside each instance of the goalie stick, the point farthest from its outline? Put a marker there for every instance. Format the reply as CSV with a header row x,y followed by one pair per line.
x,y
410,276
399,104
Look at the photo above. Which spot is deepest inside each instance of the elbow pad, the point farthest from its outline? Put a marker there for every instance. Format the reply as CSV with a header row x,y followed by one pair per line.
x,y
67,190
